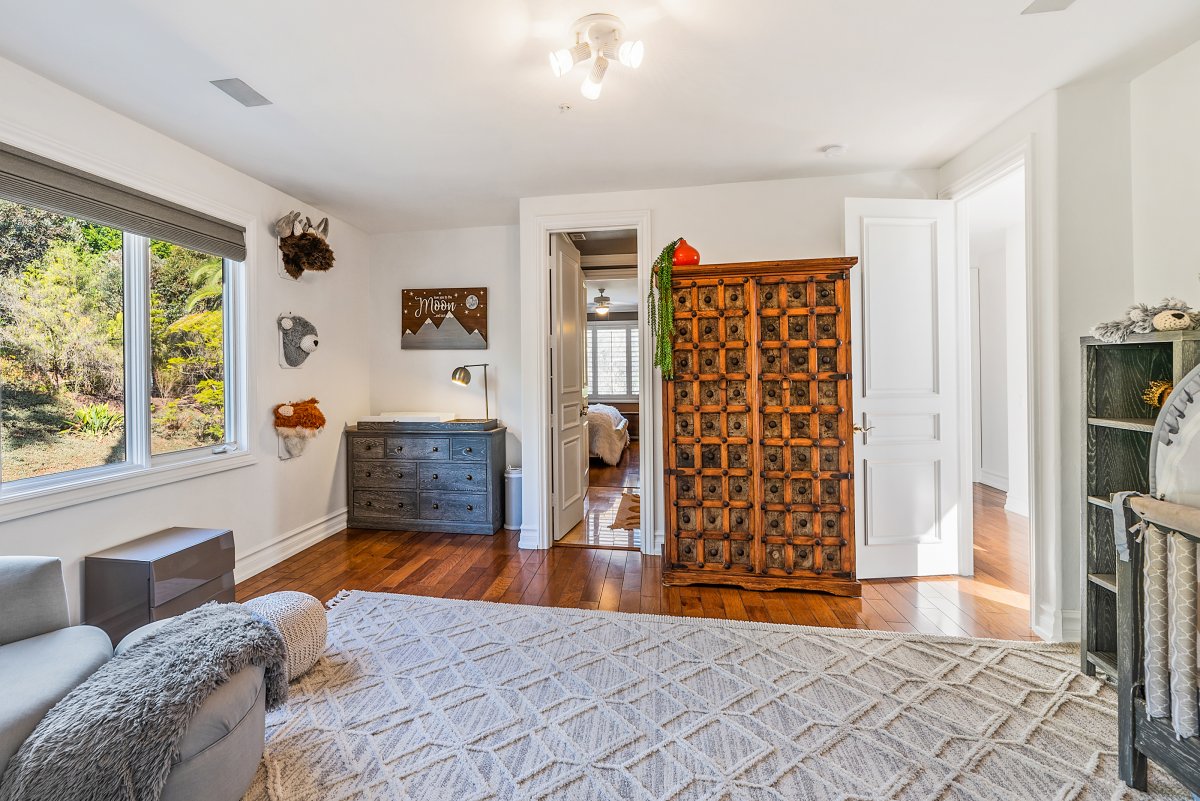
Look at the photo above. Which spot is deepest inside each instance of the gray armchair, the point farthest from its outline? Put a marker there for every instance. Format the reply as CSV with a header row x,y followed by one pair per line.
x,y
43,657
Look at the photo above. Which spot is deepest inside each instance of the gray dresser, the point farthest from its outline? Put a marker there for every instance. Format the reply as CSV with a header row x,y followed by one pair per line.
x,y
426,476
155,577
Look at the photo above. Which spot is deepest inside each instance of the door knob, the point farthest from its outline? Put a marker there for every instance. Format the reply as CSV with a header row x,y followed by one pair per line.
x,y
859,429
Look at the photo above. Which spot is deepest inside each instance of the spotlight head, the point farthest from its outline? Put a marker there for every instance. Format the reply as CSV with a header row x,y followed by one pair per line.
x,y
561,61
595,79
631,54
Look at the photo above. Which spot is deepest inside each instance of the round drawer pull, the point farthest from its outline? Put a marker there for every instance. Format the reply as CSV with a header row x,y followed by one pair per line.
x,y
368,447
468,450
435,506
470,477
435,476
368,503
470,507
435,449
399,506
367,474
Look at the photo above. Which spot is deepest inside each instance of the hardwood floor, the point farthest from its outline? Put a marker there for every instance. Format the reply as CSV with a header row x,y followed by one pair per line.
x,y
992,603
605,487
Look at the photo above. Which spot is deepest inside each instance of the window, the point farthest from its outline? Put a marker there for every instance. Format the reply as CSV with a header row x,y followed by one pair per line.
x,y
117,342
612,360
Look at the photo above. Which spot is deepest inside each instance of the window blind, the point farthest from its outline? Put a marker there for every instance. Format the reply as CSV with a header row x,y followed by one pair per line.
x,y
32,180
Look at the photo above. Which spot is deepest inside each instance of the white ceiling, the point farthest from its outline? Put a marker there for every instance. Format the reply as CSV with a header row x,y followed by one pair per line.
x,y
407,115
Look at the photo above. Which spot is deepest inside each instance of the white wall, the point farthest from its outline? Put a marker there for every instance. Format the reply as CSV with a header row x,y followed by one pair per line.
x,y
793,219
1016,332
1081,270
1035,128
416,379
269,500
1165,111
988,261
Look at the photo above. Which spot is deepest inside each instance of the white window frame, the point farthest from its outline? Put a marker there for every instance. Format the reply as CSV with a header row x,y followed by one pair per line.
x,y
629,326
140,469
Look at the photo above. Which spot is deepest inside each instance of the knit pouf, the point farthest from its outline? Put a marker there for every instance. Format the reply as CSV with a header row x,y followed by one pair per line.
x,y
301,621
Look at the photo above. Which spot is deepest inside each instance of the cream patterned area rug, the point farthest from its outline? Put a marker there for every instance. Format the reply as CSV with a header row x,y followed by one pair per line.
x,y
430,699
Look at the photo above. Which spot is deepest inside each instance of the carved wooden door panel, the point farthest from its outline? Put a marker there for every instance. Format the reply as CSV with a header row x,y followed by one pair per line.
x,y
804,386
711,434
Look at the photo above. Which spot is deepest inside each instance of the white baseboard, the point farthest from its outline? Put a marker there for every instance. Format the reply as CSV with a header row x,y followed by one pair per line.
x,y
1054,625
991,479
530,538
1016,504
1071,628
288,544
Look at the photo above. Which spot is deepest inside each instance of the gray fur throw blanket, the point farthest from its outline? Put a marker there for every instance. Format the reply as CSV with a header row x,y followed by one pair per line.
x,y
115,737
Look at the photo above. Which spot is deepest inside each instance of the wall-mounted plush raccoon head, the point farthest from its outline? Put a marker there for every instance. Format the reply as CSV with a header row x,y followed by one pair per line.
x,y
297,338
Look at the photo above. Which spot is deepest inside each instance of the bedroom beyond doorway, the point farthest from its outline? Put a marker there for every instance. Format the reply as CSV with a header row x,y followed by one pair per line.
x,y
594,279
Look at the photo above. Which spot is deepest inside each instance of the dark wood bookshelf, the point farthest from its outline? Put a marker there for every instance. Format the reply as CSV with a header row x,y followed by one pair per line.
x,y
1117,430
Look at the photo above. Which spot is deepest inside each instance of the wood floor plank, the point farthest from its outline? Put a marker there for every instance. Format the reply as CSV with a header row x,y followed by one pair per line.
x,y
992,603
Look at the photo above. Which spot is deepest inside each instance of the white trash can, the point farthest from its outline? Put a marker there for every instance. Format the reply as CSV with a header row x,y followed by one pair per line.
x,y
512,498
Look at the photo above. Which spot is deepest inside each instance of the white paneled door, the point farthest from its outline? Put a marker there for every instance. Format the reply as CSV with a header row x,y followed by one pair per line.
x,y
568,326
905,389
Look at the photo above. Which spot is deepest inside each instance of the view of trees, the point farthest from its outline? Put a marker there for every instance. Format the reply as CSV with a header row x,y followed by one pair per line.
x,y
62,348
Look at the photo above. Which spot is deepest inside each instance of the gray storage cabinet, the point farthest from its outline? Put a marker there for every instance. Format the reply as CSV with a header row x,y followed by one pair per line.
x,y
155,577
446,477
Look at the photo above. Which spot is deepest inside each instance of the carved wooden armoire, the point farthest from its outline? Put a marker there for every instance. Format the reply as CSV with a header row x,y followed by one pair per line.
x,y
758,427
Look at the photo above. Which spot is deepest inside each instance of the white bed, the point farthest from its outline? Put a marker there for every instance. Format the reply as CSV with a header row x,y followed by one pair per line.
x,y
608,433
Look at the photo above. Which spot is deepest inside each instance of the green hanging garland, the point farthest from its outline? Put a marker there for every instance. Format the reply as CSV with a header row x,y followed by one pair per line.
x,y
662,311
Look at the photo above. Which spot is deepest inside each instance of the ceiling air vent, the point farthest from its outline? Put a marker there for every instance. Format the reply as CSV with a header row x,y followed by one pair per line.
x,y
1046,6
578,237
241,91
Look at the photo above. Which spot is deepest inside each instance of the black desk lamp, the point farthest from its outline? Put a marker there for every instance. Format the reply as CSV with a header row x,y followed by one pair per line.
x,y
462,375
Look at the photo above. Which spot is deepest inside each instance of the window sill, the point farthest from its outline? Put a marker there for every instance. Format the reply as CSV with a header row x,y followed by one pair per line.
x,y
47,499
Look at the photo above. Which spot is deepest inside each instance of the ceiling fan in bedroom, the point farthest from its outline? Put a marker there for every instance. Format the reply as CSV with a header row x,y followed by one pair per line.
x,y
602,303
1047,6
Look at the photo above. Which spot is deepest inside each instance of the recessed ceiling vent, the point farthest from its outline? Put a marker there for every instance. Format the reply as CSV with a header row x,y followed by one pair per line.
x,y
578,237
1046,6
241,91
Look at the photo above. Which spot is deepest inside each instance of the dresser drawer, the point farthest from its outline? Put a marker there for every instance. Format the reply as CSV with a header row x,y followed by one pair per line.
x,y
389,474
366,447
381,503
469,449
454,506
424,448
452,477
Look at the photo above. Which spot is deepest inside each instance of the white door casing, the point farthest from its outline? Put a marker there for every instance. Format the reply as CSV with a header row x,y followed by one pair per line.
x,y
568,409
904,329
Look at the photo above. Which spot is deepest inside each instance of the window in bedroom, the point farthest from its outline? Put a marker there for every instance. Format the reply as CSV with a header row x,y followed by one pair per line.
x,y
118,330
612,360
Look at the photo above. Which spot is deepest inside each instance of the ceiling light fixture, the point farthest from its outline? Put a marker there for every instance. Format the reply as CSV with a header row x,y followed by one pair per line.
x,y
602,36
602,303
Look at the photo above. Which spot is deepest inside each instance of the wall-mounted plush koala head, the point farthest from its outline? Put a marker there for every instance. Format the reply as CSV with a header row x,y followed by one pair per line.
x,y
298,338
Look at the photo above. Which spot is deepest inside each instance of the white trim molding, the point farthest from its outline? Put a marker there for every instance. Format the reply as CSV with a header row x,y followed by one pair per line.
x,y
535,371
288,544
1046,604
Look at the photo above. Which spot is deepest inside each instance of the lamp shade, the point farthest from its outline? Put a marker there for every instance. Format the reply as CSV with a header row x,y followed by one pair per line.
x,y
461,375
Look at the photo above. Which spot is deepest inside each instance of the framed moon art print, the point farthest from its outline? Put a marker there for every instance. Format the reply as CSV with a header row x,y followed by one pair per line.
x,y
444,319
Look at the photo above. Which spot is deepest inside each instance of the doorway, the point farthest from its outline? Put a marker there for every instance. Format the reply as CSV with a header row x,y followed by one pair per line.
x,y
992,221
596,499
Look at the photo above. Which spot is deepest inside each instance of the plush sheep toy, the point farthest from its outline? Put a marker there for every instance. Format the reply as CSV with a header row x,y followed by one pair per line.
x,y
1170,315
297,338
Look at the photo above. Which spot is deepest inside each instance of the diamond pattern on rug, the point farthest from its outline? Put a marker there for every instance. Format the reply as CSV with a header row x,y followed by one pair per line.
x,y
444,700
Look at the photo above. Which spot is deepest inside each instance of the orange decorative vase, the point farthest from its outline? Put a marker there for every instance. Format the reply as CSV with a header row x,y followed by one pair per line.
x,y
685,254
